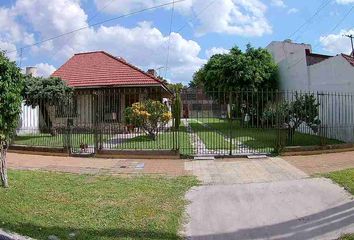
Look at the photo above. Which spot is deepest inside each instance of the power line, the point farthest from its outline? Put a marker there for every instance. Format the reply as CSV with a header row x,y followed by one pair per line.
x,y
321,7
169,38
98,23
332,30
189,21
351,40
96,13
195,16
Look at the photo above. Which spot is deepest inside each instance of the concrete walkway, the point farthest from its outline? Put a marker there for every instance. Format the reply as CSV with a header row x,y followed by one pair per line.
x,y
243,171
265,199
292,210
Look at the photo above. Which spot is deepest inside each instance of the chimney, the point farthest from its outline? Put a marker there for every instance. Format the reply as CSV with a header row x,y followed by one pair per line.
x,y
152,72
31,71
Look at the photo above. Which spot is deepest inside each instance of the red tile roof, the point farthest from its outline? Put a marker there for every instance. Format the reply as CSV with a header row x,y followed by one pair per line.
x,y
349,59
98,69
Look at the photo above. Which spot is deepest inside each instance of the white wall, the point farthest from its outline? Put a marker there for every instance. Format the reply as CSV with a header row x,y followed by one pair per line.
x,y
29,120
334,75
291,60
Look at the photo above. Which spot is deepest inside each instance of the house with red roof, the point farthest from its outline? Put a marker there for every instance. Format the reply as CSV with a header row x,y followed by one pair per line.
x,y
104,86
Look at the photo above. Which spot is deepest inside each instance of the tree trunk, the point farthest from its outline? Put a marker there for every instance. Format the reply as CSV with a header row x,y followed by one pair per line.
x,y
3,165
47,119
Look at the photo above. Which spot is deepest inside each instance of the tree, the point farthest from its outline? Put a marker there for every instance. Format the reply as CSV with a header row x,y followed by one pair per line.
x,y
198,78
175,87
304,109
176,110
44,92
149,115
253,69
11,87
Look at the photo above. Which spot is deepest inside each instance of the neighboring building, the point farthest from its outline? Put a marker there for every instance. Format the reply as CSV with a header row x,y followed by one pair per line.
x,y
196,103
104,86
330,77
300,69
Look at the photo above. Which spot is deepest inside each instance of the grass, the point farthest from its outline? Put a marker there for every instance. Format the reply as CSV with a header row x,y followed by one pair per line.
x,y
256,138
47,140
39,204
345,178
347,237
164,141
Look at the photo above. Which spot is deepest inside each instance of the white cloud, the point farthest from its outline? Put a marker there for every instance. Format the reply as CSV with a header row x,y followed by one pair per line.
x,y
238,17
345,1
293,10
7,45
336,43
146,46
278,3
142,45
44,69
215,50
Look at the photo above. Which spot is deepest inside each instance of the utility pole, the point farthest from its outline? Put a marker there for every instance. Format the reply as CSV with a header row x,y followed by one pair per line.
x,y
351,40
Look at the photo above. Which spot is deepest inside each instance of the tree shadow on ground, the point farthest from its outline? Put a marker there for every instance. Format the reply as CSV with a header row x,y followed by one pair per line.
x,y
312,226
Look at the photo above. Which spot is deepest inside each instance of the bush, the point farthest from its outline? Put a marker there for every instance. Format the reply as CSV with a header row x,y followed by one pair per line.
x,y
304,109
176,110
148,115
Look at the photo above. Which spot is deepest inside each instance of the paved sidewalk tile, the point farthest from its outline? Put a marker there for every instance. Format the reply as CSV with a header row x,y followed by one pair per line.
x,y
243,170
322,163
170,167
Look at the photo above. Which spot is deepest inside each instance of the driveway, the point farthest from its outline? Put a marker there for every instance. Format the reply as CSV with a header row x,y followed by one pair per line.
x,y
289,206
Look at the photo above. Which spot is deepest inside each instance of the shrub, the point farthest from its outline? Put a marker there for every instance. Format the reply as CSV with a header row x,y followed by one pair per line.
x,y
176,110
148,115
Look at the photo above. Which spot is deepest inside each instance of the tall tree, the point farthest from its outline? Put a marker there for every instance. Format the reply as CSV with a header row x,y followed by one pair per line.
x,y
44,92
11,89
253,69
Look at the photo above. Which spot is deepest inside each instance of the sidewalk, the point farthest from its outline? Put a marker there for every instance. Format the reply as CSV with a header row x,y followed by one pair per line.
x,y
322,163
174,167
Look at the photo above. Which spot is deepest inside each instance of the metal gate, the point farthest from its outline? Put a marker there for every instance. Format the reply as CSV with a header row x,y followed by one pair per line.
x,y
226,123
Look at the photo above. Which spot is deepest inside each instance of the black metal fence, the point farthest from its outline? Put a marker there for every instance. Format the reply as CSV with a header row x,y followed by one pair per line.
x,y
213,123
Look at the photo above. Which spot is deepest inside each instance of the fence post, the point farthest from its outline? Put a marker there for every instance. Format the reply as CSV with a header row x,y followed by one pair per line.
x,y
95,120
69,123
230,123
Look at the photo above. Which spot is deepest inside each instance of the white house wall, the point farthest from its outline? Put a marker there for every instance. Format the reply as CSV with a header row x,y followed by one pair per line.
x,y
29,120
292,65
332,78
332,75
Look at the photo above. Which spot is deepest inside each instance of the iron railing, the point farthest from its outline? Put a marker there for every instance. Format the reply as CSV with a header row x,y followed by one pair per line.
x,y
213,123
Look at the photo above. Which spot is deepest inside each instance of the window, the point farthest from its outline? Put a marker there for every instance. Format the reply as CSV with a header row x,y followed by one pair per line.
x,y
111,103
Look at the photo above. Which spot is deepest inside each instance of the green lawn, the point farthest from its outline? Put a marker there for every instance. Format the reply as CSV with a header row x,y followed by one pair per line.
x,y
47,140
39,204
345,178
347,237
164,141
40,140
256,138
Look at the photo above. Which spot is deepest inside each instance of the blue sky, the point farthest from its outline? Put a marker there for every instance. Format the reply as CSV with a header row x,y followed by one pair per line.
x,y
210,26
